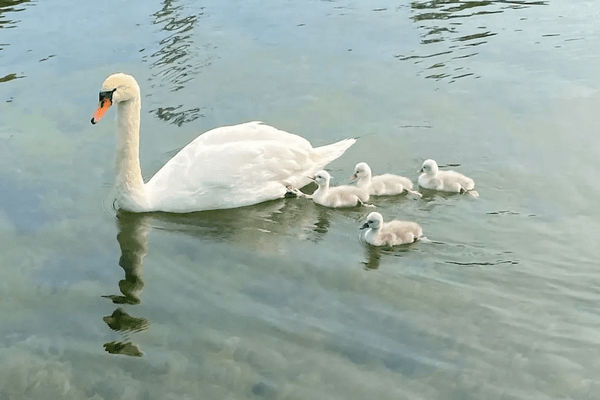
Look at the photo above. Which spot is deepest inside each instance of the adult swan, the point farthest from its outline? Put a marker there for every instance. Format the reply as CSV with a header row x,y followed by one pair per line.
x,y
226,167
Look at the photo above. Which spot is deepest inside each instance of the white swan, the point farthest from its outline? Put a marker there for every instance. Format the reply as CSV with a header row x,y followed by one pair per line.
x,y
445,181
226,167
391,233
338,196
381,185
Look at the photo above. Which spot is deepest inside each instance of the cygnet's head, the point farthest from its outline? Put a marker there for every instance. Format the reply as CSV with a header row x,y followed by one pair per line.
x,y
116,88
429,167
322,178
374,221
362,170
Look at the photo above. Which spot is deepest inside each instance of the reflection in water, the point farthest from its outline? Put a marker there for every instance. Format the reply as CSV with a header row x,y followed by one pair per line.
x,y
133,240
373,253
176,62
321,227
128,349
9,6
450,37
262,227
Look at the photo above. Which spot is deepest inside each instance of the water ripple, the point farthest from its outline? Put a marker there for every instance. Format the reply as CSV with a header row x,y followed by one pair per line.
x,y
9,6
443,24
176,62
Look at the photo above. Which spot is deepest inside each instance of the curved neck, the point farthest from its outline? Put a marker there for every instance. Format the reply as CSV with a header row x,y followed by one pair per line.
x,y
363,181
131,193
322,189
371,233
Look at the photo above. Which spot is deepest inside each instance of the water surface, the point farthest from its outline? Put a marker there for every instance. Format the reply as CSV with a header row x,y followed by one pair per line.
x,y
280,300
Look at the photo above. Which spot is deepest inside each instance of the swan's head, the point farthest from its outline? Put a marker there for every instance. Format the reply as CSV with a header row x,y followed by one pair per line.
x,y
374,221
429,167
362,170
116,88
322,178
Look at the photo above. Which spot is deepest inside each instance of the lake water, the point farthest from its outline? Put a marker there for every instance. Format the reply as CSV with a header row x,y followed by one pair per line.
x,y
280,300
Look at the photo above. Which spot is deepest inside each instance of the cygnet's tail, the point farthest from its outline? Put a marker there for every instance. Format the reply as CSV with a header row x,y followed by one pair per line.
x,y
473,193
413,192
326,154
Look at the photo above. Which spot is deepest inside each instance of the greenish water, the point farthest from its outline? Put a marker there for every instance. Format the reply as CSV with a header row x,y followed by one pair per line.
x,y
280,300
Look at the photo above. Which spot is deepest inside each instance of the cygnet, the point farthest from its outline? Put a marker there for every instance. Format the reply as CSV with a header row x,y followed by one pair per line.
x,y
445,181
379,233
381,185
338,196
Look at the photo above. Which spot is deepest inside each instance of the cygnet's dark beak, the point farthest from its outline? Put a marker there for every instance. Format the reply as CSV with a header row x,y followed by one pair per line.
x,y
353,176
365,226
312,178
420,170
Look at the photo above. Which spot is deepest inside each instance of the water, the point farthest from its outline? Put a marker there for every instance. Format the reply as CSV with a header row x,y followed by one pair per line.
x,y
280,300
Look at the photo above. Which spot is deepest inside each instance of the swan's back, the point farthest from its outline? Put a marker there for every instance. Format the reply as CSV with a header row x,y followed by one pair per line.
x,y
238,165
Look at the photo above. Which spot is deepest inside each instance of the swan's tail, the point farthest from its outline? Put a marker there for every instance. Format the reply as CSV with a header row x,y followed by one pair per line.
x,y
321,157
326,154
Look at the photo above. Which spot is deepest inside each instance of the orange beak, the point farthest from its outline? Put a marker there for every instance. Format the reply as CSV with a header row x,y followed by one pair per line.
x,y
101,110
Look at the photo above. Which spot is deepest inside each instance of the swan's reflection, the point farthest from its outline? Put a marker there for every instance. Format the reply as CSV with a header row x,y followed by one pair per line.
x,y
263,227
133,241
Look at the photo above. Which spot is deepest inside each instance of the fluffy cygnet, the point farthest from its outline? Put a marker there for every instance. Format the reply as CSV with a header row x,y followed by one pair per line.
x,y
379,233
381,185
445,181
338,196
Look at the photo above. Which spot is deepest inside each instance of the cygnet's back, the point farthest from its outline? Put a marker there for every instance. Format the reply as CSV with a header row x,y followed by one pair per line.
x,y
379,233
447,181
338,196
381,185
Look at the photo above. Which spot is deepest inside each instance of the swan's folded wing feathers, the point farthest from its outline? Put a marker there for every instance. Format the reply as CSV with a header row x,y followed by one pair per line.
x,y
236,173
249,131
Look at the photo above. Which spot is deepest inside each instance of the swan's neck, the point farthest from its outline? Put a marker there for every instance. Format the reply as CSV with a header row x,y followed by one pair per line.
x,y
131,191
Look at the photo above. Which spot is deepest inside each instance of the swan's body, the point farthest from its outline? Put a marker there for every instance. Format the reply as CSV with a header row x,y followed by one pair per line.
x,y
226,167
379,233
445,181
338,196
381,185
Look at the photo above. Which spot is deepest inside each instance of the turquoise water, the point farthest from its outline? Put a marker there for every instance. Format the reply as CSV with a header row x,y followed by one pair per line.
x,y
280,300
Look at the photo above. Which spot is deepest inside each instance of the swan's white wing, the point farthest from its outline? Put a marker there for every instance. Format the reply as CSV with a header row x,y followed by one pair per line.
x,y
236,166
